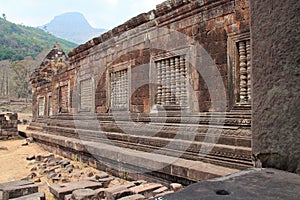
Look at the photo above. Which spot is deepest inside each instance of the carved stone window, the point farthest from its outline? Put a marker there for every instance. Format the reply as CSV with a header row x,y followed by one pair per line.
x,y
64,99
86,95
119,86
41,106
172,81
239,55
245,71
50,106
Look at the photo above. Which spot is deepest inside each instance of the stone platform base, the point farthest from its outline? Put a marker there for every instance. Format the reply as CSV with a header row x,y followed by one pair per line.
x,y
250,184
131,163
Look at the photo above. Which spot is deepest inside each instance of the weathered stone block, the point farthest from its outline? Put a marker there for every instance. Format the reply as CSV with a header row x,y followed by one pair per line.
x,y
68,188
84,194
35,196
147,188
117,192
134,197
17,189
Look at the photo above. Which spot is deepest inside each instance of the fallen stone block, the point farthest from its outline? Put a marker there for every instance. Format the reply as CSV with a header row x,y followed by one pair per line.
x,y
106,181
117,192
53,162
84,194
17,189
64,163
35,196
31,157
29,140
32,175
160,190
100,193
33,169
68,197
101,175
65,189
25,143
42,157
129,185
139,182
89,174
176,186
3,148
147,188
134,197
163,194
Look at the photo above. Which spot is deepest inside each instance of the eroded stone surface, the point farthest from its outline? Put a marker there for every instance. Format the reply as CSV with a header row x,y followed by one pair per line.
x,y
276,126
253,184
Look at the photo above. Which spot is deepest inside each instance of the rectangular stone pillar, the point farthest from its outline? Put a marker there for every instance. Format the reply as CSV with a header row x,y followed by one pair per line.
x,y
276,83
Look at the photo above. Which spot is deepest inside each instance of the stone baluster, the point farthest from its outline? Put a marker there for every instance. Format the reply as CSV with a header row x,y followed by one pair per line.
x,y
243,72
168,82
119,89
164,84
248,47
178,80
173,81
159,82
113,88
183,81
122,88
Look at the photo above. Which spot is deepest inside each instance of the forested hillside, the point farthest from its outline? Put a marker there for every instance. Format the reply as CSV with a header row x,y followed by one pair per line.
x,y
18,41
22,49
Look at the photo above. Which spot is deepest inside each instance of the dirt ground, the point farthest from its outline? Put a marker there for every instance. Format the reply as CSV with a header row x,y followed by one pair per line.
x,y
14,165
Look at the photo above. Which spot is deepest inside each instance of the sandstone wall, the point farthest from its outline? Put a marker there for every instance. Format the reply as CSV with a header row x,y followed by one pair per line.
x,y
275,38
135,43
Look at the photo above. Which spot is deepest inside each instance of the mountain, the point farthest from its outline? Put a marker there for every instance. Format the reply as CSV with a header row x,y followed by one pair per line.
x,y
72,26
18,41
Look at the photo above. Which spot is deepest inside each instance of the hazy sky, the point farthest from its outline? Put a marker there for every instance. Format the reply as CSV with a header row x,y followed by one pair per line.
x,y
100,13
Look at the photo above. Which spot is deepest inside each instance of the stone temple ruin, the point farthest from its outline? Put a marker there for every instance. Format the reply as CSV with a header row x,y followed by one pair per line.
x,y
8,126
165,96
167,93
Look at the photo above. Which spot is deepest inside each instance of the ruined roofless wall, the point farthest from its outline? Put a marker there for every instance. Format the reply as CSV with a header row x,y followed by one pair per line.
x,y
8,126
138,42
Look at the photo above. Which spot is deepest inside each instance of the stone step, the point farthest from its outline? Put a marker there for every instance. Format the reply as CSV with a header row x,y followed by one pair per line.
x,y
229,154
229,137
202,120
141,161
152,140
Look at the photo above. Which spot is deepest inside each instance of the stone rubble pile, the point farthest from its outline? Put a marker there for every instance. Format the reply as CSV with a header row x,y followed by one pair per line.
x,y
72,180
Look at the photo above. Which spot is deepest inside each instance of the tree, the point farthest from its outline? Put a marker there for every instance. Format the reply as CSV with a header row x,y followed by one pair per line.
x,y
4,79
22,70
4,16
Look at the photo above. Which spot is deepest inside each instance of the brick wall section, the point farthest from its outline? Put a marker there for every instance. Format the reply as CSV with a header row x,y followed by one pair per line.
x,y
276,89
